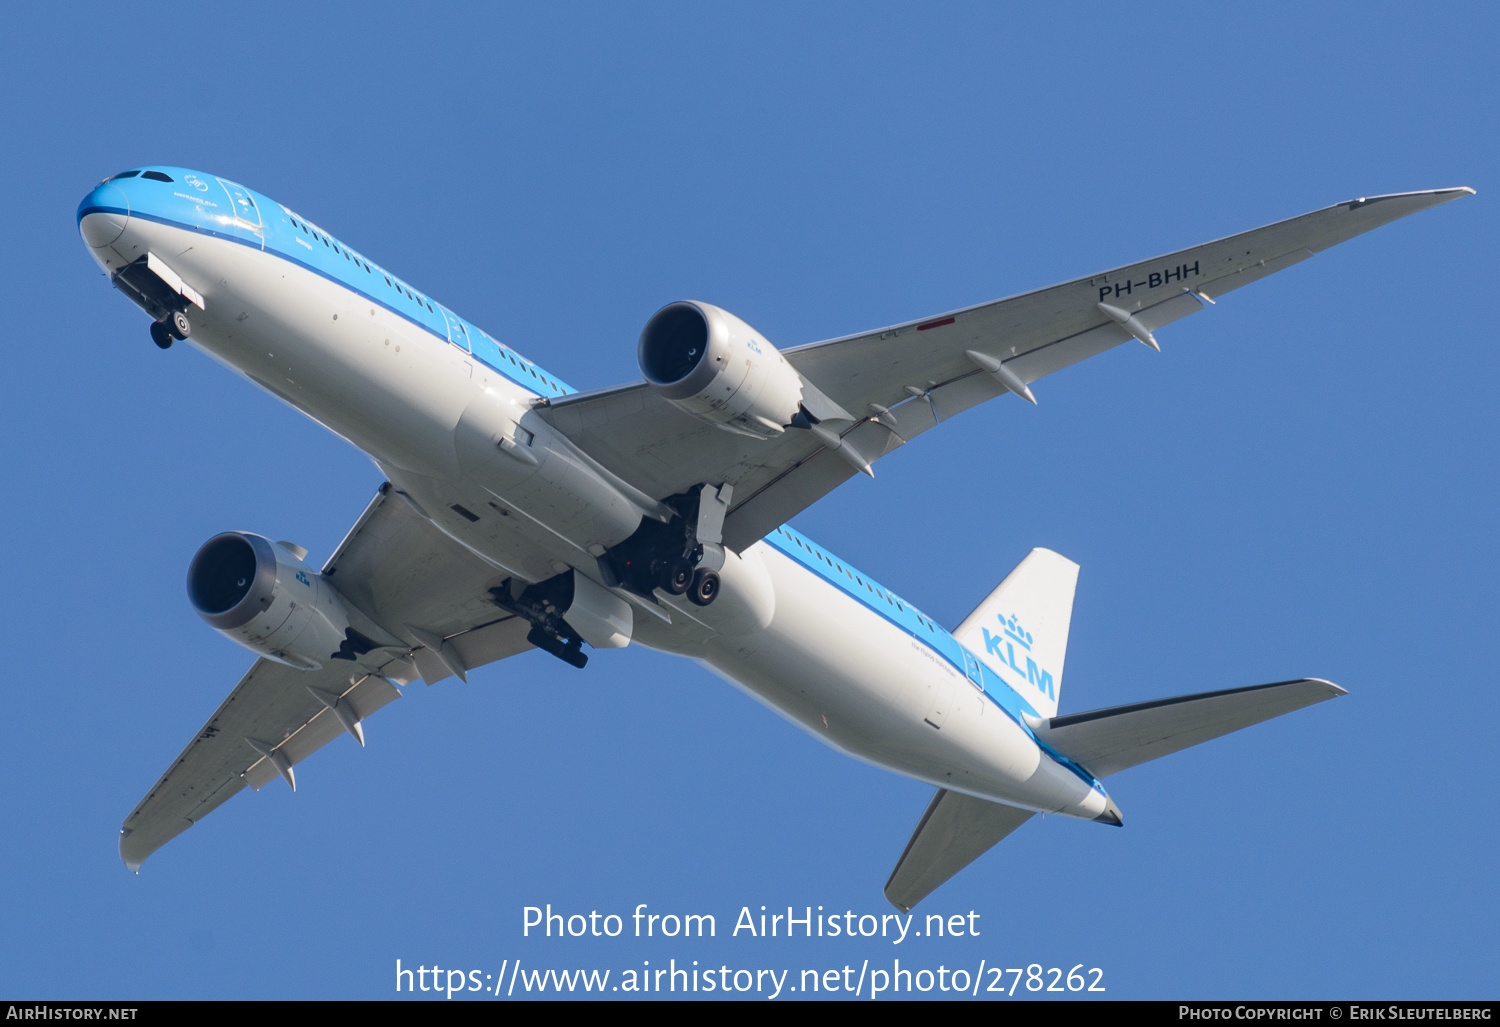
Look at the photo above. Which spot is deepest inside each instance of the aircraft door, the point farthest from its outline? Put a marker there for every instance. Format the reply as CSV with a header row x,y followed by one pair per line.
x,y
246,214
971,667
457,333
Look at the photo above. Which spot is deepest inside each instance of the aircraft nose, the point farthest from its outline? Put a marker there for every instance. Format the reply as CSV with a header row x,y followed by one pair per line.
x,y
103,215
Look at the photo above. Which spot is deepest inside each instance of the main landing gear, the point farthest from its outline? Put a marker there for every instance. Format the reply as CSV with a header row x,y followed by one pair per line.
x,y
682,557
680,577
705,587
176,326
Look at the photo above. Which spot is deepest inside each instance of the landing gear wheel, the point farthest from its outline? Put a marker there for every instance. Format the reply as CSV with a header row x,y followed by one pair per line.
x,y
677,578
179,325
705,588
160,335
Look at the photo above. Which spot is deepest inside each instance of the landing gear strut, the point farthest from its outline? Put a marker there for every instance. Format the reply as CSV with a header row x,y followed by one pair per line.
x,y
161,293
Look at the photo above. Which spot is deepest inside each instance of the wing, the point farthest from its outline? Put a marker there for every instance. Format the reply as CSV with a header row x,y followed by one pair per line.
x,y
901,381
396,568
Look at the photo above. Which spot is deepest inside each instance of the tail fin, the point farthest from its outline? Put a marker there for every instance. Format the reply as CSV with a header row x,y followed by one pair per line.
x,y
1020,631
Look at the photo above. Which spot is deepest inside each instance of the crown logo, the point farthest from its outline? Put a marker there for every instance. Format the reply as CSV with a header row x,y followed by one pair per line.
x,y
1013,628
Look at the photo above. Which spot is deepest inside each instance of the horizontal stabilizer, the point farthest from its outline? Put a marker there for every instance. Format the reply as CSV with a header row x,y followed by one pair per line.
x,y
1109,741
955,831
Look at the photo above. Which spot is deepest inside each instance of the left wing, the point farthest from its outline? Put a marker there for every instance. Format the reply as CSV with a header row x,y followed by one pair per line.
x,y
901,381
395,567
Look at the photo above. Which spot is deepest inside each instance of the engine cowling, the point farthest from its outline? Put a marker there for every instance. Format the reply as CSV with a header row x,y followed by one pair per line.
x,y
258,593
709,363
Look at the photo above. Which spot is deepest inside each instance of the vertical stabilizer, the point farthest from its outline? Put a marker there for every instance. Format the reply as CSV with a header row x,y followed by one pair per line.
x,y
1020,631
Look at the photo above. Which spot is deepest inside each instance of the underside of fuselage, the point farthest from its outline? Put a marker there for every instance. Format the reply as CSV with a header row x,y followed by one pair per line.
x,y
519,514
461,443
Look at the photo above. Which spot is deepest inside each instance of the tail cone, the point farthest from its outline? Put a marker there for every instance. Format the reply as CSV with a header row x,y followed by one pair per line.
x,y
1111,815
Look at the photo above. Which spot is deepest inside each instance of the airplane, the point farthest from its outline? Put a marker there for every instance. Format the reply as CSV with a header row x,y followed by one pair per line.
x,y
519,513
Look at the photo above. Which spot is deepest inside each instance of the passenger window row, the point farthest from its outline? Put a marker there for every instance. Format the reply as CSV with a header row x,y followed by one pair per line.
x,y
402,290
890,599
359,262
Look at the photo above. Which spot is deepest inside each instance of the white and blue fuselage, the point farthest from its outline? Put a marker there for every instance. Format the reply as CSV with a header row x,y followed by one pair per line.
x,y
392,371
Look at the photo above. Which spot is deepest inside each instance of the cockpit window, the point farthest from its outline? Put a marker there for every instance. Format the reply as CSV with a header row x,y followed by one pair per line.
x,y
123,174
156,176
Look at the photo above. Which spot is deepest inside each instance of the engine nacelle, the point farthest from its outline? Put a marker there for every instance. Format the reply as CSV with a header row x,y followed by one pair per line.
x,y
714,366
258,593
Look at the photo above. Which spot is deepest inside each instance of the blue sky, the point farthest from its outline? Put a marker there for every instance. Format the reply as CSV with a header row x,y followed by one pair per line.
x,y
1302,483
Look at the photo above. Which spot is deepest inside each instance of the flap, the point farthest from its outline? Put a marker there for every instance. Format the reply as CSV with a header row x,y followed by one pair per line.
x,y
392,566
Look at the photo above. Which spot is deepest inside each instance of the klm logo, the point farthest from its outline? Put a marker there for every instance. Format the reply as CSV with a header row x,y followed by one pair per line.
x,y
1003,648
303,578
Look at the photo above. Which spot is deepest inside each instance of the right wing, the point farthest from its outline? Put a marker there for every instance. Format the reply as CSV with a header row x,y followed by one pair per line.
x,y
395,567
902,380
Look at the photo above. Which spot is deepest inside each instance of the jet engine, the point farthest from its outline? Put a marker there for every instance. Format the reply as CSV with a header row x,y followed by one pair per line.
x,y
712,365
258,593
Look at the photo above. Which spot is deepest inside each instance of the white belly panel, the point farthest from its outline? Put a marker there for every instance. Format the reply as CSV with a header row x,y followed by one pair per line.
x,y
390,388
854,679
865,686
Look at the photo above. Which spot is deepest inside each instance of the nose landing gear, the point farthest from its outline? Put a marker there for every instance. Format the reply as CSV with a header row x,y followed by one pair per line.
x,y
175,326
161,293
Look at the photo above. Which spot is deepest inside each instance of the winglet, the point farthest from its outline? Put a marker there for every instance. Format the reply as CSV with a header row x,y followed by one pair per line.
x,y
131,860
